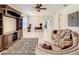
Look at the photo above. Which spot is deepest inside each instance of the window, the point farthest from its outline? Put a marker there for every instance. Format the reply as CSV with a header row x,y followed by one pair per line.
x,y
25,22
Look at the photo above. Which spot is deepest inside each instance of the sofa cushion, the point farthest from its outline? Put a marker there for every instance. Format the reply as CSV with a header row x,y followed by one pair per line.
x,y
67,36
62,34
58,34
65,44
75,38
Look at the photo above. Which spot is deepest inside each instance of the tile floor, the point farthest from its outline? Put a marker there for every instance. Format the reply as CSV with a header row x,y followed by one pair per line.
x,y
25,46
40,35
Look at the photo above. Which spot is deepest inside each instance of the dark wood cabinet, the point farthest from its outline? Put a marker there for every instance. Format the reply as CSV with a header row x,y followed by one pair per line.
x,y
10,38
1,31
1,43
7,40
1,24
19,23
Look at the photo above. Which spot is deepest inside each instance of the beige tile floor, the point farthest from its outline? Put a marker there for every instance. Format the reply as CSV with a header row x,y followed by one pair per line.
x,y
40,35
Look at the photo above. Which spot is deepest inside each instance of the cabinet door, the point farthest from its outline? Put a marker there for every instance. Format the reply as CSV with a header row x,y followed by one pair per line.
x,y
9,39
0,42
5,40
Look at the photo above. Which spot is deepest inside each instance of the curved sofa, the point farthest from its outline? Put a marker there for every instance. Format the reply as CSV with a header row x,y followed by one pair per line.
x,y
63,42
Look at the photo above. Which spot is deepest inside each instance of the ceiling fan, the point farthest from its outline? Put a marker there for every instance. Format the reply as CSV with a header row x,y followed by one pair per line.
x,y
39,7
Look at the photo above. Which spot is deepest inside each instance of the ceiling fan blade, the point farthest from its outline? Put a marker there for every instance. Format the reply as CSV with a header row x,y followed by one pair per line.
x,y
42,8
38,5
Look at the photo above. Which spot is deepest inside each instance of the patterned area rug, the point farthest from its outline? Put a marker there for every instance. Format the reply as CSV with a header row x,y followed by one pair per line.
x,y
25,46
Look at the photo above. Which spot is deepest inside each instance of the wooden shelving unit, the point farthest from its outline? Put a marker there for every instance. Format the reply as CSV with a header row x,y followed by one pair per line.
x,y
1,24
7,40
1,32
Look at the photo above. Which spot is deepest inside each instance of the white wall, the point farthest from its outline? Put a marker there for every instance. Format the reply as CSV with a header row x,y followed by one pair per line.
x,y
36,20
61,18
49,29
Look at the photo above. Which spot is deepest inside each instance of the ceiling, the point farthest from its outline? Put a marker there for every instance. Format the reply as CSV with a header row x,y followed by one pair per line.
x,y
29,9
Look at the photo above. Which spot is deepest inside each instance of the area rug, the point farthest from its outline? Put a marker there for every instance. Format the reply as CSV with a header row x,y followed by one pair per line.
x,y
25,46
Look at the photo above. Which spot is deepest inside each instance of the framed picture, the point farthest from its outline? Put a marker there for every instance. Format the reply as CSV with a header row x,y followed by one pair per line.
x,y
73,19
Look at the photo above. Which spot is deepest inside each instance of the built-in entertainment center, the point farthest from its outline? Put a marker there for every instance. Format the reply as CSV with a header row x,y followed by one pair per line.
x,y
10,26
